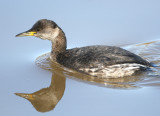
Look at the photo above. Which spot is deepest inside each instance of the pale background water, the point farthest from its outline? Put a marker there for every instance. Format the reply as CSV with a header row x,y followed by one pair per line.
x,y
85,22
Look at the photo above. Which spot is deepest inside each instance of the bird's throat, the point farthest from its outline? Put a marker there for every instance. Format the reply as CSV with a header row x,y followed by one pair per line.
x,y
58,45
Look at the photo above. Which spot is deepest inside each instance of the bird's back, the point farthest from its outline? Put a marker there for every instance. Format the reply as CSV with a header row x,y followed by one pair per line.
x,y
98,56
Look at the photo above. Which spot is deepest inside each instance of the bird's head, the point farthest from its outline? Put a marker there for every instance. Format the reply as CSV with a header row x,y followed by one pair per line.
x,y
44,29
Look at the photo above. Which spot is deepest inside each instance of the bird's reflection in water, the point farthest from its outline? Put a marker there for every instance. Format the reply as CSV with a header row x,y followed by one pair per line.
x,y
47,98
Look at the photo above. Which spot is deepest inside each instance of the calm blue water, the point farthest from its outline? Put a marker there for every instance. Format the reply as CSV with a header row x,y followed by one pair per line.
x,y
86,22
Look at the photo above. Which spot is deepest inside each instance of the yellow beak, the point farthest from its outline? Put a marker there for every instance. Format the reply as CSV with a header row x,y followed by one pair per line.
x,y
25,34
26,96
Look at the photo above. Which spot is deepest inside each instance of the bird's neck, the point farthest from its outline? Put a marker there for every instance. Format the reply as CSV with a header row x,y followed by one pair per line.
x,y
58,45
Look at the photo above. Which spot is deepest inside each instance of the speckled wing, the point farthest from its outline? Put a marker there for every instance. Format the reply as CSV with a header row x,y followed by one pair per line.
x,y
97,56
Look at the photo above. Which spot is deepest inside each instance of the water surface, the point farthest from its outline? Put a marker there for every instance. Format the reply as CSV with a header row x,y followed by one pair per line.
x,y
85,95
85,22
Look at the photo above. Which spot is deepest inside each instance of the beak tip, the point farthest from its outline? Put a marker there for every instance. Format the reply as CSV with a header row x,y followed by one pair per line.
x,y
16,35
25,34
18,94
24,95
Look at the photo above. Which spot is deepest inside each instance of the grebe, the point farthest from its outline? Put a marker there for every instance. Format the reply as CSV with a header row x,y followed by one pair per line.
x,y
98,61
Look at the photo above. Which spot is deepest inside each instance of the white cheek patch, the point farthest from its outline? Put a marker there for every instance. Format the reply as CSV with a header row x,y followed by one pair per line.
x,y
50,35
56,33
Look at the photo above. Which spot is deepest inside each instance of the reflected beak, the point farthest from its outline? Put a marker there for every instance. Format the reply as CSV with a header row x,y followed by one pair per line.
x,y
26,96
26,34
